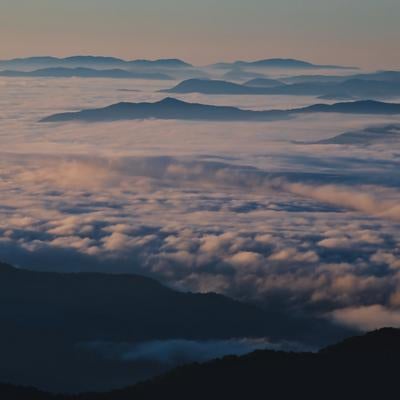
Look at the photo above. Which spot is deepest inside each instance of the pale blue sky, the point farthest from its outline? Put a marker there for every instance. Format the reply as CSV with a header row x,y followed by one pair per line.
x,y
363,32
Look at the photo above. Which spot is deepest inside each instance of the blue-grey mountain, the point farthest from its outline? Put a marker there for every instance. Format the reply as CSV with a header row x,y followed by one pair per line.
x,y
365,137
89,62
59,72
279,63
173,109
348,89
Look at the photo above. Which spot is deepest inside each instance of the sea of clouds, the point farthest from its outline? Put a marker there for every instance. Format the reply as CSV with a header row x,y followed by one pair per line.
x,y
236,208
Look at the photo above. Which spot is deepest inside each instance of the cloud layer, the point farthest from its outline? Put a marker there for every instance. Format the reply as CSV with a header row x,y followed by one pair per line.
x,y
233,208
179,351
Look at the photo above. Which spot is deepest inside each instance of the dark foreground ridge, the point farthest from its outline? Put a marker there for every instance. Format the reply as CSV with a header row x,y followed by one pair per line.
x,y
48,318
359,367
173,109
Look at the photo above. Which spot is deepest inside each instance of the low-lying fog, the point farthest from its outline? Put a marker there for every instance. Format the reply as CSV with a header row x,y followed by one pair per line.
x,y
236,208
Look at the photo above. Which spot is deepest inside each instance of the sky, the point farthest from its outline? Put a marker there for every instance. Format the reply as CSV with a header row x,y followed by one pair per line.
x,y
359,32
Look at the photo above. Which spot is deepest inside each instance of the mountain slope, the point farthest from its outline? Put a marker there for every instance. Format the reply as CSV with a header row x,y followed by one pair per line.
x,y
353,107
367,136
208,86
359,367
11,392
92,299
164,63
48,320
380,343
263,82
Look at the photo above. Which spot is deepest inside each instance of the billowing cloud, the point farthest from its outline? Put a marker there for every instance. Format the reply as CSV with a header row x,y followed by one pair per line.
x,y
234,208
381,203
368,318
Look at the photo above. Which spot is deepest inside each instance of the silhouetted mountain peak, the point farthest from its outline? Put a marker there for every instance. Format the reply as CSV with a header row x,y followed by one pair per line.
x,y
264,82
171,101
355,87
170,108
379,342
354,107
290,62
6,268
163,62
284,63
215,86
91,58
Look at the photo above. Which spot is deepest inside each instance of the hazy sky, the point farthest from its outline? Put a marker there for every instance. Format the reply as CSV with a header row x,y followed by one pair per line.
x,y
363,32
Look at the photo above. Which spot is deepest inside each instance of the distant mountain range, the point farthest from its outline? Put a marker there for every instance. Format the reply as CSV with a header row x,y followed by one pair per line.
x,y
368,136
89,61
347,89
284,63
263,82
60,72
386,76
358,368
114,62
165,63
166,109
240,74
211,86
368,107
351,88
170,108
